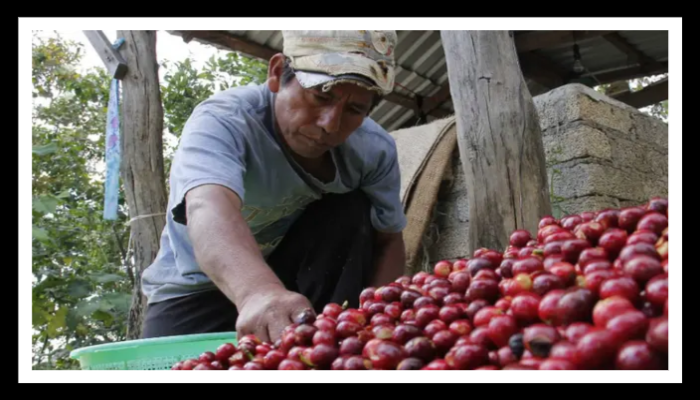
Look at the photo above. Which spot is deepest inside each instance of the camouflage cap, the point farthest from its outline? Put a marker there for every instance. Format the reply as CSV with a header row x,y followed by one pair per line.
x,y
330,57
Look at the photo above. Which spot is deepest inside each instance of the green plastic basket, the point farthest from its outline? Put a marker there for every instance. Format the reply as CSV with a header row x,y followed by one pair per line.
x,y
150,354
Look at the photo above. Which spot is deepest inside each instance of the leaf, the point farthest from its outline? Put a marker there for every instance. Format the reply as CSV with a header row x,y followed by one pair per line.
x,y
57,322
81,330
49,283
64,194
120,302
106,278
79,289
45,204
72,319
39,315
86,308
45,149
104,316
40,234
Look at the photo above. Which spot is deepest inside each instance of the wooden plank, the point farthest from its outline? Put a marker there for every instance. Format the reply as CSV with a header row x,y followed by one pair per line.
x,y
529,41
142,168
499,137
652,94
115,63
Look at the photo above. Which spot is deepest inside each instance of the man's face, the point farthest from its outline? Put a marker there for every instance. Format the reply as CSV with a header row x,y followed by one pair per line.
x,y
312,121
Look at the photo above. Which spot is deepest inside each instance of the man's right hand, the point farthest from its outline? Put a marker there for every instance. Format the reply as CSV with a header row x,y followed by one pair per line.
x,y
268,311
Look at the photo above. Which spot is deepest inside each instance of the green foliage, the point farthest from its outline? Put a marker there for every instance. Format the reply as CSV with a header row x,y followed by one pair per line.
x,y
76,257
81,291
185,87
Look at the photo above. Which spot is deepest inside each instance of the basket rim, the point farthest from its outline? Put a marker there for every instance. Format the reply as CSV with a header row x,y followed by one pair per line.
x,y
75,354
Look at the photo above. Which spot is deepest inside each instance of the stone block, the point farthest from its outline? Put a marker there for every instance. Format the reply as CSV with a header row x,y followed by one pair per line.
x,y
587,178
575,102
637,156
579,142
649,129
586,203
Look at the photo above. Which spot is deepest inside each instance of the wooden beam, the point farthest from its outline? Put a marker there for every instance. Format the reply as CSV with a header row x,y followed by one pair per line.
x,y
499,137
114,62
626,47
223,39
529,41
430,106
231,42
402,100
434,101
636,71
652,94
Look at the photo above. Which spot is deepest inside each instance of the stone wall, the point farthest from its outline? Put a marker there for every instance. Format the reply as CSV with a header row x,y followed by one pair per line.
x,y
600,153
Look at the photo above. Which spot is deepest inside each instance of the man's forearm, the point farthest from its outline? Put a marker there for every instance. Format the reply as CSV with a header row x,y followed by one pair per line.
x,y
390,258
223,244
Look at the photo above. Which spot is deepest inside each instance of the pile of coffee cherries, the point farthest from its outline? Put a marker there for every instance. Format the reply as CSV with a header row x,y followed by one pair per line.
x,y
587,291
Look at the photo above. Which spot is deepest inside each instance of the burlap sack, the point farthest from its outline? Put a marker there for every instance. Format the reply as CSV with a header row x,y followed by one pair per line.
x,y
415,146
425,154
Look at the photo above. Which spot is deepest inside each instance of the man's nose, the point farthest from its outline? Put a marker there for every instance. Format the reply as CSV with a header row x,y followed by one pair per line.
x,y
330,118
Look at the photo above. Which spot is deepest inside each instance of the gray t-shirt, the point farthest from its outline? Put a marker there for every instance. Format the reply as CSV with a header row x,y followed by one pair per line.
x,y
229,140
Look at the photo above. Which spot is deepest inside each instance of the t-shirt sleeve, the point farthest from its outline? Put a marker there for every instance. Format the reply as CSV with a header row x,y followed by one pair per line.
x,y
382,186
212,150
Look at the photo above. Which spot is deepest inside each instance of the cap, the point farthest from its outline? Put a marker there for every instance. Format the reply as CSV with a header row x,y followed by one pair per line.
x,y
330,57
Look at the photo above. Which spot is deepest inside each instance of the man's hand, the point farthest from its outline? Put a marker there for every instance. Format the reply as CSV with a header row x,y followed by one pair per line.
x,y
267,312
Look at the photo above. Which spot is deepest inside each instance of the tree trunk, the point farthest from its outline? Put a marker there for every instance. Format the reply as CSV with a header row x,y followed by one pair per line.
x,y
142,159
499,137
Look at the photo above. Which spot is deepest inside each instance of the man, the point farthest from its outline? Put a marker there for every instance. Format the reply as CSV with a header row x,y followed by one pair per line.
x,y
283,196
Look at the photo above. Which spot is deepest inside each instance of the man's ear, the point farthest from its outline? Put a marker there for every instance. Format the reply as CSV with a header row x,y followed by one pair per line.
x,y
274,72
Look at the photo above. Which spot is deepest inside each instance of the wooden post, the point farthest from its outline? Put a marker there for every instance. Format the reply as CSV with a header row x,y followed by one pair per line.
x,y
142,159
499,137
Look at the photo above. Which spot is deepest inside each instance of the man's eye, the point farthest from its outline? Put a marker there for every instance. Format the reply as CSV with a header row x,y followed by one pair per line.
x,y
322,98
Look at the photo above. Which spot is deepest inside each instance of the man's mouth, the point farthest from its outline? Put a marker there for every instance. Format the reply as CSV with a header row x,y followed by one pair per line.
x,y
316,142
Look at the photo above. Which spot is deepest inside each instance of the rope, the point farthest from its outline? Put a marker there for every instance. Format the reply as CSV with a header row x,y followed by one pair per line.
x,y
131,232
144,216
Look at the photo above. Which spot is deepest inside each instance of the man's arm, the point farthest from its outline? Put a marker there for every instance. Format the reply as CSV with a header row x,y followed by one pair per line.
x,y
229,255
382,185
224,245
390,258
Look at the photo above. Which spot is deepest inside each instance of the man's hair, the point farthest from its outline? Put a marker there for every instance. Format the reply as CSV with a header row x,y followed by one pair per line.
x,y
288,74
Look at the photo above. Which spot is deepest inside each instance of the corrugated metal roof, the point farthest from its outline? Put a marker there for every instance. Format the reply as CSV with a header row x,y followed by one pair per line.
x,y
422,68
